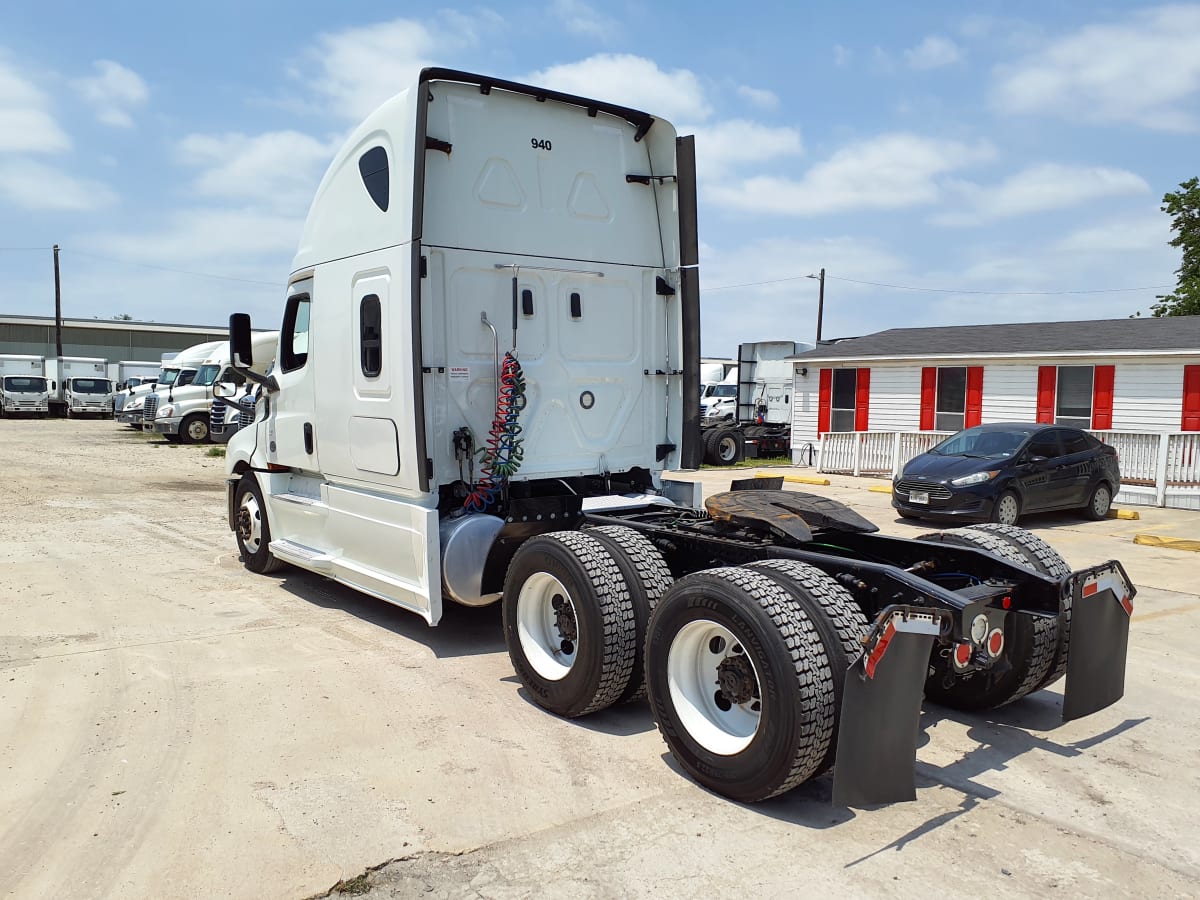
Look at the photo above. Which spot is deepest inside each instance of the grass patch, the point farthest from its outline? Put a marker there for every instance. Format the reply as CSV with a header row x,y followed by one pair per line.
x,y
754,463
215,451
357,885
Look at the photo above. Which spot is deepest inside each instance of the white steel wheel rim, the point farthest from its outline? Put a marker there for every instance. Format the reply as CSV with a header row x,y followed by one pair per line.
x,y
1007,514
197,430
548,651
1101,500
726,449
692,681
251,536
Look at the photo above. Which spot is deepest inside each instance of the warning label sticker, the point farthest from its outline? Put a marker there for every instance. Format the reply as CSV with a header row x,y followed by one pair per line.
x,y
460,373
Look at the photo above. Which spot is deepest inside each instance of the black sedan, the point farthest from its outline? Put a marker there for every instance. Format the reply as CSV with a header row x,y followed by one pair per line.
x,y
997,473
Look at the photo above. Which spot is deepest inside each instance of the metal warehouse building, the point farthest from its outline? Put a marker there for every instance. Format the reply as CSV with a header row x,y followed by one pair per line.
x,y
107,339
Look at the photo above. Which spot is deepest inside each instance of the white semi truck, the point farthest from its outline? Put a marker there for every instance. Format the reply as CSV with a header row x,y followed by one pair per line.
x,y
181,412
23,385
178,370
489,356
79,386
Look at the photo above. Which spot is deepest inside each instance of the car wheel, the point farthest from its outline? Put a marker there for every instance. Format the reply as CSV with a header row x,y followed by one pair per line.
x,y
1007,509
1100,502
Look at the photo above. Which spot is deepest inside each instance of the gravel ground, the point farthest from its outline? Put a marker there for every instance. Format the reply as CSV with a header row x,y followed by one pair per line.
x,y
173,726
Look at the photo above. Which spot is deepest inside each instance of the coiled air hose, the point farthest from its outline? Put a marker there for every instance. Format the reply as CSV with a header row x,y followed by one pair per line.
x,y
503,453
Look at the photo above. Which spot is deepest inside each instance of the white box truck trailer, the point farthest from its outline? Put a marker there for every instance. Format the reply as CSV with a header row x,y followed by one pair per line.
x,y
130,373
24,389
493,266
79,386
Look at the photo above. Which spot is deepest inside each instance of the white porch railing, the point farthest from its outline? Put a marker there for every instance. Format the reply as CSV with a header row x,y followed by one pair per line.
x,y
1156,469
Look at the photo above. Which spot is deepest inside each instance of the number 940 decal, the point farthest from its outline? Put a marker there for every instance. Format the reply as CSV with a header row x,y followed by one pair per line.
x,y
540,144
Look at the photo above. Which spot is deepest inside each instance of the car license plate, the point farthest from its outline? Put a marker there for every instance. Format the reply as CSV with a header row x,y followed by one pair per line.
x,y
918,497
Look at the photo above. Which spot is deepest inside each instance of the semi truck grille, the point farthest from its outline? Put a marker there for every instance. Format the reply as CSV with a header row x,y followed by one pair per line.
x,y
149,408
216,416
246,414
936,491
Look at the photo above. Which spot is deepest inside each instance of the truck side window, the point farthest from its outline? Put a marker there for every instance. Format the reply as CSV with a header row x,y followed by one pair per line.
x,y
370,336
294,350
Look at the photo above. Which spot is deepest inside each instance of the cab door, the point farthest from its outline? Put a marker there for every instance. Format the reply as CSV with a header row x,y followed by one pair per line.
x,y
291,438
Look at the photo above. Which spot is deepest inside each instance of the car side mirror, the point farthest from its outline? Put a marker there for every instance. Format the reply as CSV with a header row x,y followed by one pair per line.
x,y
240,351
1038,461
224,389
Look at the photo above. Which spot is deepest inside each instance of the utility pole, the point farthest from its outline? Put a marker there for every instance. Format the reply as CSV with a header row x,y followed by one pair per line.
x,y
58,306
820,301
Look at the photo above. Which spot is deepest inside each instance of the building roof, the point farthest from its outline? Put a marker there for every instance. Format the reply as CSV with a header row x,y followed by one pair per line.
x,y
1172,334
113,324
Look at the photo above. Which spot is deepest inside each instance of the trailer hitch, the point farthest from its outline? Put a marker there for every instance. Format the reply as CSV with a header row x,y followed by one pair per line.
x,y
881,705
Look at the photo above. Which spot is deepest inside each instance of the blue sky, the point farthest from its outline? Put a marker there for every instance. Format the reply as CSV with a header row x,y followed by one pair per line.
x,y
1003,159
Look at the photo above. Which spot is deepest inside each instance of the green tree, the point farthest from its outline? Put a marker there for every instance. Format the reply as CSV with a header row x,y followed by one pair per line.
x,y
1183,206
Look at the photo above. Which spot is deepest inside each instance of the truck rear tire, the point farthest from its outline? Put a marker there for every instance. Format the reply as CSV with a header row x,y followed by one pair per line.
x,y
1045,560
709,452
1030,642
647,577
569,623
728,447
253,530
838,619
740,683
193,429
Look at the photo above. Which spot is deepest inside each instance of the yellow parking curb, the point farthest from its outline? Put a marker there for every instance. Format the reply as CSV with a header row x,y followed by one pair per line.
x,y
880,489
1173,543
1123,514
795,479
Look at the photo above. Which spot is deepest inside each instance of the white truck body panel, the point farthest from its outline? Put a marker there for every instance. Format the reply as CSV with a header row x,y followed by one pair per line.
x,y
80,385
535,191
119,373
29,390
765,378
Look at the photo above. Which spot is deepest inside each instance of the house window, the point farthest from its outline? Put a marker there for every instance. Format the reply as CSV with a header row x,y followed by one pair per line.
x,y
845,389
1073,404
951,398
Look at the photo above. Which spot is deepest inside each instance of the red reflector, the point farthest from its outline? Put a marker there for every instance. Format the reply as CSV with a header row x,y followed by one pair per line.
x,y
879,649
1089,589
996,642
276,467
1006,602
962,655
1128,604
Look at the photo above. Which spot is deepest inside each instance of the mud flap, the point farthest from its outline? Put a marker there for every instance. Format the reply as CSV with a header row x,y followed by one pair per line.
x,y
1101,605
881,706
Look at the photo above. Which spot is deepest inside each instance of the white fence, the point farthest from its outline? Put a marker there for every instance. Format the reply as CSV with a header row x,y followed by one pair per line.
x,y
1156,469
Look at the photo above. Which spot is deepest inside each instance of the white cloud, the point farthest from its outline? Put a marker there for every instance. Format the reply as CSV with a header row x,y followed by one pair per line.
x,y
35,186
279,170
631,81
725,145
760,97
1145,71
207,239
842,56
357,69
580,18
933,53
26,122
1130,234
886,172
1038,188
113,91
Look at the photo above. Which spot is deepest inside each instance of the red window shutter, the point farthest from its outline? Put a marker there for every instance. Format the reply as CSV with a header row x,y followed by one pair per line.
x,y
1047,381
1191,398
824,401
862,400
1102,397
974,408
928,396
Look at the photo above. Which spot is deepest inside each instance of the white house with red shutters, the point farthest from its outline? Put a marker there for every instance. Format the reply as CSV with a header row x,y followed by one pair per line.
x,y
868,404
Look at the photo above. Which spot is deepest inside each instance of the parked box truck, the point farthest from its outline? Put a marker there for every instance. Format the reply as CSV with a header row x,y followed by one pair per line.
x,y
23,385
79,386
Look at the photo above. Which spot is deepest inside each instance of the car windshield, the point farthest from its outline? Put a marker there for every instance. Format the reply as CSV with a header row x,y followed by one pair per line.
x,y
24,385
724,390
91,386
983,443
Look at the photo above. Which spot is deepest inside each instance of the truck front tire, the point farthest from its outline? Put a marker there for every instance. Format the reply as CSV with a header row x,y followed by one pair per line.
x,y
193,429
253,529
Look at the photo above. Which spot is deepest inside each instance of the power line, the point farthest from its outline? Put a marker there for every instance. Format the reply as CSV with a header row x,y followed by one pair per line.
x,y
19,249
129,262
930,290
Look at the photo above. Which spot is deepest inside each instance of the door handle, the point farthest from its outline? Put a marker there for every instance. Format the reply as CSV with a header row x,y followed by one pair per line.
x,y
308,438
